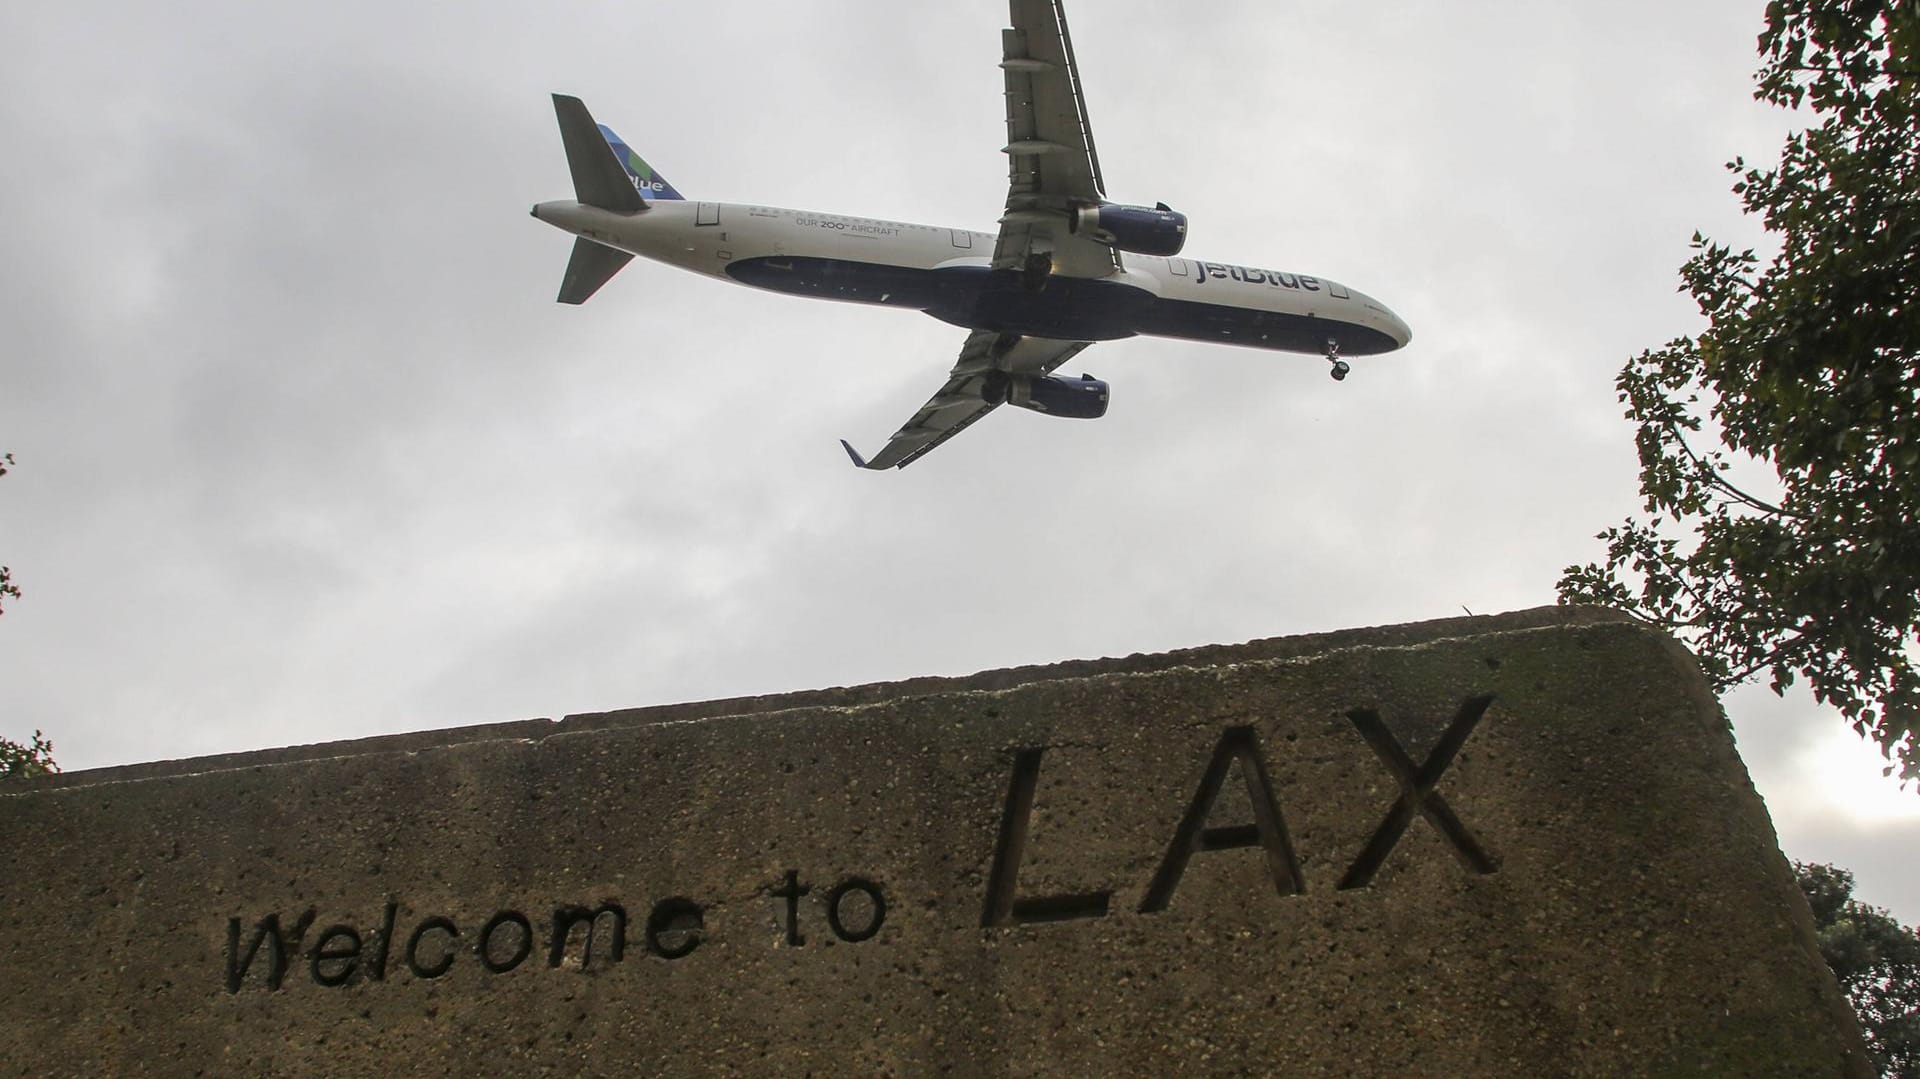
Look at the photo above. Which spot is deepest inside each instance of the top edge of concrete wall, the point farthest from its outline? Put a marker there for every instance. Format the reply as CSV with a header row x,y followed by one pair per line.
x,y
1268,648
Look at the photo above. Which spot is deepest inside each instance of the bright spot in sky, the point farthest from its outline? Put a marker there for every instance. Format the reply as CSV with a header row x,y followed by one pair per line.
x,y
1846,769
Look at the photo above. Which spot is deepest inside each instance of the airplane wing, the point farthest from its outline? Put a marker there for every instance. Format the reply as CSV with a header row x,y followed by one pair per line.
x,y
1052,172
964,398
1053,168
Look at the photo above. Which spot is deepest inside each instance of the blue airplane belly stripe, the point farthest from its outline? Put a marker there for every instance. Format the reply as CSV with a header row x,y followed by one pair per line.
x,y
1068,309
1194,321
975,297
854,282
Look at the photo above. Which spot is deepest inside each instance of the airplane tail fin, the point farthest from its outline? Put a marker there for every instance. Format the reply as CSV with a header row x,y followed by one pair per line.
x,y
598,178
609,175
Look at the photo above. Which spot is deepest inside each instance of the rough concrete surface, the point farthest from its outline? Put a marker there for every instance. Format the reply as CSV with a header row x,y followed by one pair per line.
x,y
1515,846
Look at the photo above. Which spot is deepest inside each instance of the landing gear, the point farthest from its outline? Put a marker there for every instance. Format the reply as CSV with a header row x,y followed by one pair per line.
x,y
1340,368
1034,275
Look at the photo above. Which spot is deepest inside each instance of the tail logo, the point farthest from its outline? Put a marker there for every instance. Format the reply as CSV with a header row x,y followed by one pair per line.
x,y
637,170
648,182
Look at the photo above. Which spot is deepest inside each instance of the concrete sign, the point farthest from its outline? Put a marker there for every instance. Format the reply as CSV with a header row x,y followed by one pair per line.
x,y
1512,846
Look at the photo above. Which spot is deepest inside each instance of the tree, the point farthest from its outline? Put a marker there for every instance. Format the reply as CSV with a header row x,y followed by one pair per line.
x,y
36,757
26,761
8,590
1877,962
1808,368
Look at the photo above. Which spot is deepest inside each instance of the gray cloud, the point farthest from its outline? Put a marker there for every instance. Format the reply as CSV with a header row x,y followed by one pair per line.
x,y
307,451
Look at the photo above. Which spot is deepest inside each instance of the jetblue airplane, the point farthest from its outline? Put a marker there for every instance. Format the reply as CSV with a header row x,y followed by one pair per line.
x,y
1067,267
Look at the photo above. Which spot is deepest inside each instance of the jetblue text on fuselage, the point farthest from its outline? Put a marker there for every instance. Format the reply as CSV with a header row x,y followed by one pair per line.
x,y
1256,277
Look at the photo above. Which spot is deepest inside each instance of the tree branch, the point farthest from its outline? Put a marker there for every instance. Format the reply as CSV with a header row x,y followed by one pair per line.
x,y
1772,657
1887,72
1713,478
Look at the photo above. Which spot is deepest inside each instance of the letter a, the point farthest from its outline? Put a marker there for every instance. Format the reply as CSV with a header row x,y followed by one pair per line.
x,y
1268,830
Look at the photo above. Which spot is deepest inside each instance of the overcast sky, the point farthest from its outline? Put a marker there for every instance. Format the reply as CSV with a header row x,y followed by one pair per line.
x,y
306,451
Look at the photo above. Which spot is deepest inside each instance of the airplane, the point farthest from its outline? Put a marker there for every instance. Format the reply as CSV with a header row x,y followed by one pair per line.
x,y
1066,269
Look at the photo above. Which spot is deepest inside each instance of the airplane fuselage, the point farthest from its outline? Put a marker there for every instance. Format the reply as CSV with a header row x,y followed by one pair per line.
x,y
947,273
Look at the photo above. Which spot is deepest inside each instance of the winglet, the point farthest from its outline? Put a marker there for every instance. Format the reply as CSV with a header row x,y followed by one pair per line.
x,y
858,461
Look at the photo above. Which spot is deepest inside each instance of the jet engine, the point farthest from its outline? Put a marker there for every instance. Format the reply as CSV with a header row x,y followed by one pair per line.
x,y
1156,230
1083,398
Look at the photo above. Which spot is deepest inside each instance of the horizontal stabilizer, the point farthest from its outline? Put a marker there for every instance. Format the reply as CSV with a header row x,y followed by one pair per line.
x,y
598,177
592,265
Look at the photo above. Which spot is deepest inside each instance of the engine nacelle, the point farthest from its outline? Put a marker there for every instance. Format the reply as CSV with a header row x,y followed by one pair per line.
x,y
1142,230
1083,398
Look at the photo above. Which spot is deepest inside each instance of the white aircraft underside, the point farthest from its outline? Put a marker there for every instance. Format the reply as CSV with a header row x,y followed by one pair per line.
x,y
1066,269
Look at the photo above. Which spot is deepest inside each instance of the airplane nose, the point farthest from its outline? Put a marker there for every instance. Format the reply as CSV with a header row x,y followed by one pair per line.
x,y
535,211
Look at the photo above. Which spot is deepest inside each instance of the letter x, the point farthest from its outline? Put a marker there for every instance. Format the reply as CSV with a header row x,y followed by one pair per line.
x,y
1417,794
